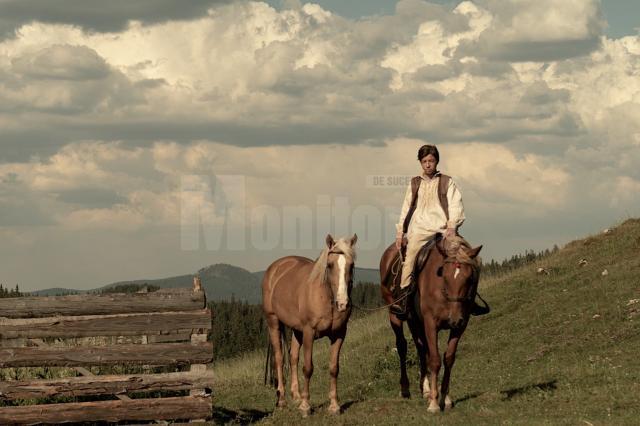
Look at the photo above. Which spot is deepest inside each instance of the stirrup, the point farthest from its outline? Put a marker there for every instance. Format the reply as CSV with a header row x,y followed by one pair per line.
x,y
399,308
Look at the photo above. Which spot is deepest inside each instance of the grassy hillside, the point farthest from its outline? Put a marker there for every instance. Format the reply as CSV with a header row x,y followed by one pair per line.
x,y
557,349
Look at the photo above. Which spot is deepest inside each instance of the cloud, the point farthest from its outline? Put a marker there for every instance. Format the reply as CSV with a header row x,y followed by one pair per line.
x,y
60,62
92,180
248,75
526,30
537,115
274,182
108,191
93,15
93,198
63,80
625,192
497,176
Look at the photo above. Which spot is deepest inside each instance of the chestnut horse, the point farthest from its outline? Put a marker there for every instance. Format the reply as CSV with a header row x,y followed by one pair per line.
x,y
445,293
311,298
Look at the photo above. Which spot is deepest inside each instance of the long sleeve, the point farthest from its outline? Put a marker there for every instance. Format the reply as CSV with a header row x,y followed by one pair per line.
x,y
405,209
456,209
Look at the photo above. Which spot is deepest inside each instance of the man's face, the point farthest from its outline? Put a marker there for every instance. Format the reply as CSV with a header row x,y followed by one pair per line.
x,y
429,164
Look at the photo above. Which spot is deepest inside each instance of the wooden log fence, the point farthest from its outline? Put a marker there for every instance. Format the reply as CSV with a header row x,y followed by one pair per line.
x,y
168,327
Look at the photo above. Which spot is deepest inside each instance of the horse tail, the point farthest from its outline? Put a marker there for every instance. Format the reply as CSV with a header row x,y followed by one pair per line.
x,y
285,333
270,375
268,363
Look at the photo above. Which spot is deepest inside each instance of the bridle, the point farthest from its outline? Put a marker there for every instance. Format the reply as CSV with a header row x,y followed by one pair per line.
x,y
445,291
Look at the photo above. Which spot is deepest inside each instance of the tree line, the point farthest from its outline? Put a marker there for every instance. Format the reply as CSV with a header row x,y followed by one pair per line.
x,y
493,268
14,292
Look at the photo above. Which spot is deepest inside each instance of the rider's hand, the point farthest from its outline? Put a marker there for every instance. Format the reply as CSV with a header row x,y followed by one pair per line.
x,y
450,232
399,242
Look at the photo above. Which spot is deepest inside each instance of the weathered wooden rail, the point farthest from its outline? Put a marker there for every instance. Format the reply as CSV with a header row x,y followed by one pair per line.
x,y
164,328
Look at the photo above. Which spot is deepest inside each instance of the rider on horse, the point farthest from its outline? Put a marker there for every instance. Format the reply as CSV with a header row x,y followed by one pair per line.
x,y
432,205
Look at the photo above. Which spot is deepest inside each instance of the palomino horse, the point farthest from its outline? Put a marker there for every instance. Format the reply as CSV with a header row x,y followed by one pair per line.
x,y
311,298
446,289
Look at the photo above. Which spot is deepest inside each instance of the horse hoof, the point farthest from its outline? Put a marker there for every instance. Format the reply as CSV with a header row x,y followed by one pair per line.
x,y
433,407
281,404
448,404
405,393
305,408
334,409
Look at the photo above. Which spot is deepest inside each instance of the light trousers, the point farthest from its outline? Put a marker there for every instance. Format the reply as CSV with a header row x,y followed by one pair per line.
x,y
414,244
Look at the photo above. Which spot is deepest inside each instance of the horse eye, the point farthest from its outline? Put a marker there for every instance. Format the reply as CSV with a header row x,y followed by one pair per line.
x,y
439,272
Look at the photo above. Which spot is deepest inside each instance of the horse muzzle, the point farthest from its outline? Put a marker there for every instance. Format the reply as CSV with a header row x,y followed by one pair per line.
x,y
342,306
456,321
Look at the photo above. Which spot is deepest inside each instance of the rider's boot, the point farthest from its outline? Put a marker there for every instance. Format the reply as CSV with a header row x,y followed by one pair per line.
x,y
399,307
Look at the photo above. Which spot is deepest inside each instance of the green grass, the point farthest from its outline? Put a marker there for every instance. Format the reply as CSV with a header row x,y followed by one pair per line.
x,y
556,349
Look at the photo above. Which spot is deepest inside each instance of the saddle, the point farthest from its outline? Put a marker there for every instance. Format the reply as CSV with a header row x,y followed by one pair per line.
x,y
423,254
420,261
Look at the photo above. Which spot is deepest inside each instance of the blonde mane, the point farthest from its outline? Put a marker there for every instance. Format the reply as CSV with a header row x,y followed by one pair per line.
x,y
457,248
320,266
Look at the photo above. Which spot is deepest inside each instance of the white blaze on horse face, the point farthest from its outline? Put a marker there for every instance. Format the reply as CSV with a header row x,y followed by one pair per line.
x,y
342,297
455,274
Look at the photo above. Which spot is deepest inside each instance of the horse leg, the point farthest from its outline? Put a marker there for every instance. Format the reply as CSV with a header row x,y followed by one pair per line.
x,y
449,359
401,346
434,364
334,369
274,335
294,354
421,347
307,369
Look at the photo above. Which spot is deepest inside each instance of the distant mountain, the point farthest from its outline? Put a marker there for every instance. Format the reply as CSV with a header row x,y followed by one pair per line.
x,y
170,282
365,275
56,291
220,282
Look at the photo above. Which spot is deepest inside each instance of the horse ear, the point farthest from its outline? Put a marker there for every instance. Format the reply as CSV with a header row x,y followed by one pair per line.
x,y
329,241
354,239
474,252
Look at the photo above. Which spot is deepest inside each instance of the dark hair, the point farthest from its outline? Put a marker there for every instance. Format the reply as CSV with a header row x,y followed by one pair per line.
x,y
428,149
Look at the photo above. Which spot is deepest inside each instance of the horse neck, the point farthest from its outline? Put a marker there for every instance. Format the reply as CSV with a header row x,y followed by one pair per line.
x,y
321,301
319,289
435,261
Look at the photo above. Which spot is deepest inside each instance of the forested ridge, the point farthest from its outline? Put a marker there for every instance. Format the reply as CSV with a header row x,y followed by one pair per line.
x,y
14,292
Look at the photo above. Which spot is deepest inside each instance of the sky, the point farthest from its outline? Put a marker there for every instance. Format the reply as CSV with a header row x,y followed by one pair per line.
x,y
152,138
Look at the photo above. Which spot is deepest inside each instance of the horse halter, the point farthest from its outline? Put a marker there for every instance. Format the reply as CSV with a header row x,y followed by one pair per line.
x,y
469,298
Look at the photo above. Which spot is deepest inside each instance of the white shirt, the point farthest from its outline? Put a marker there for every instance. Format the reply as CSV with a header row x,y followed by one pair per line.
x,y
429,217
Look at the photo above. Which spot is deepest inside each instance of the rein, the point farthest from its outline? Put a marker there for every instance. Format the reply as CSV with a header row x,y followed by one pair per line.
x,y
395,266
361,308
